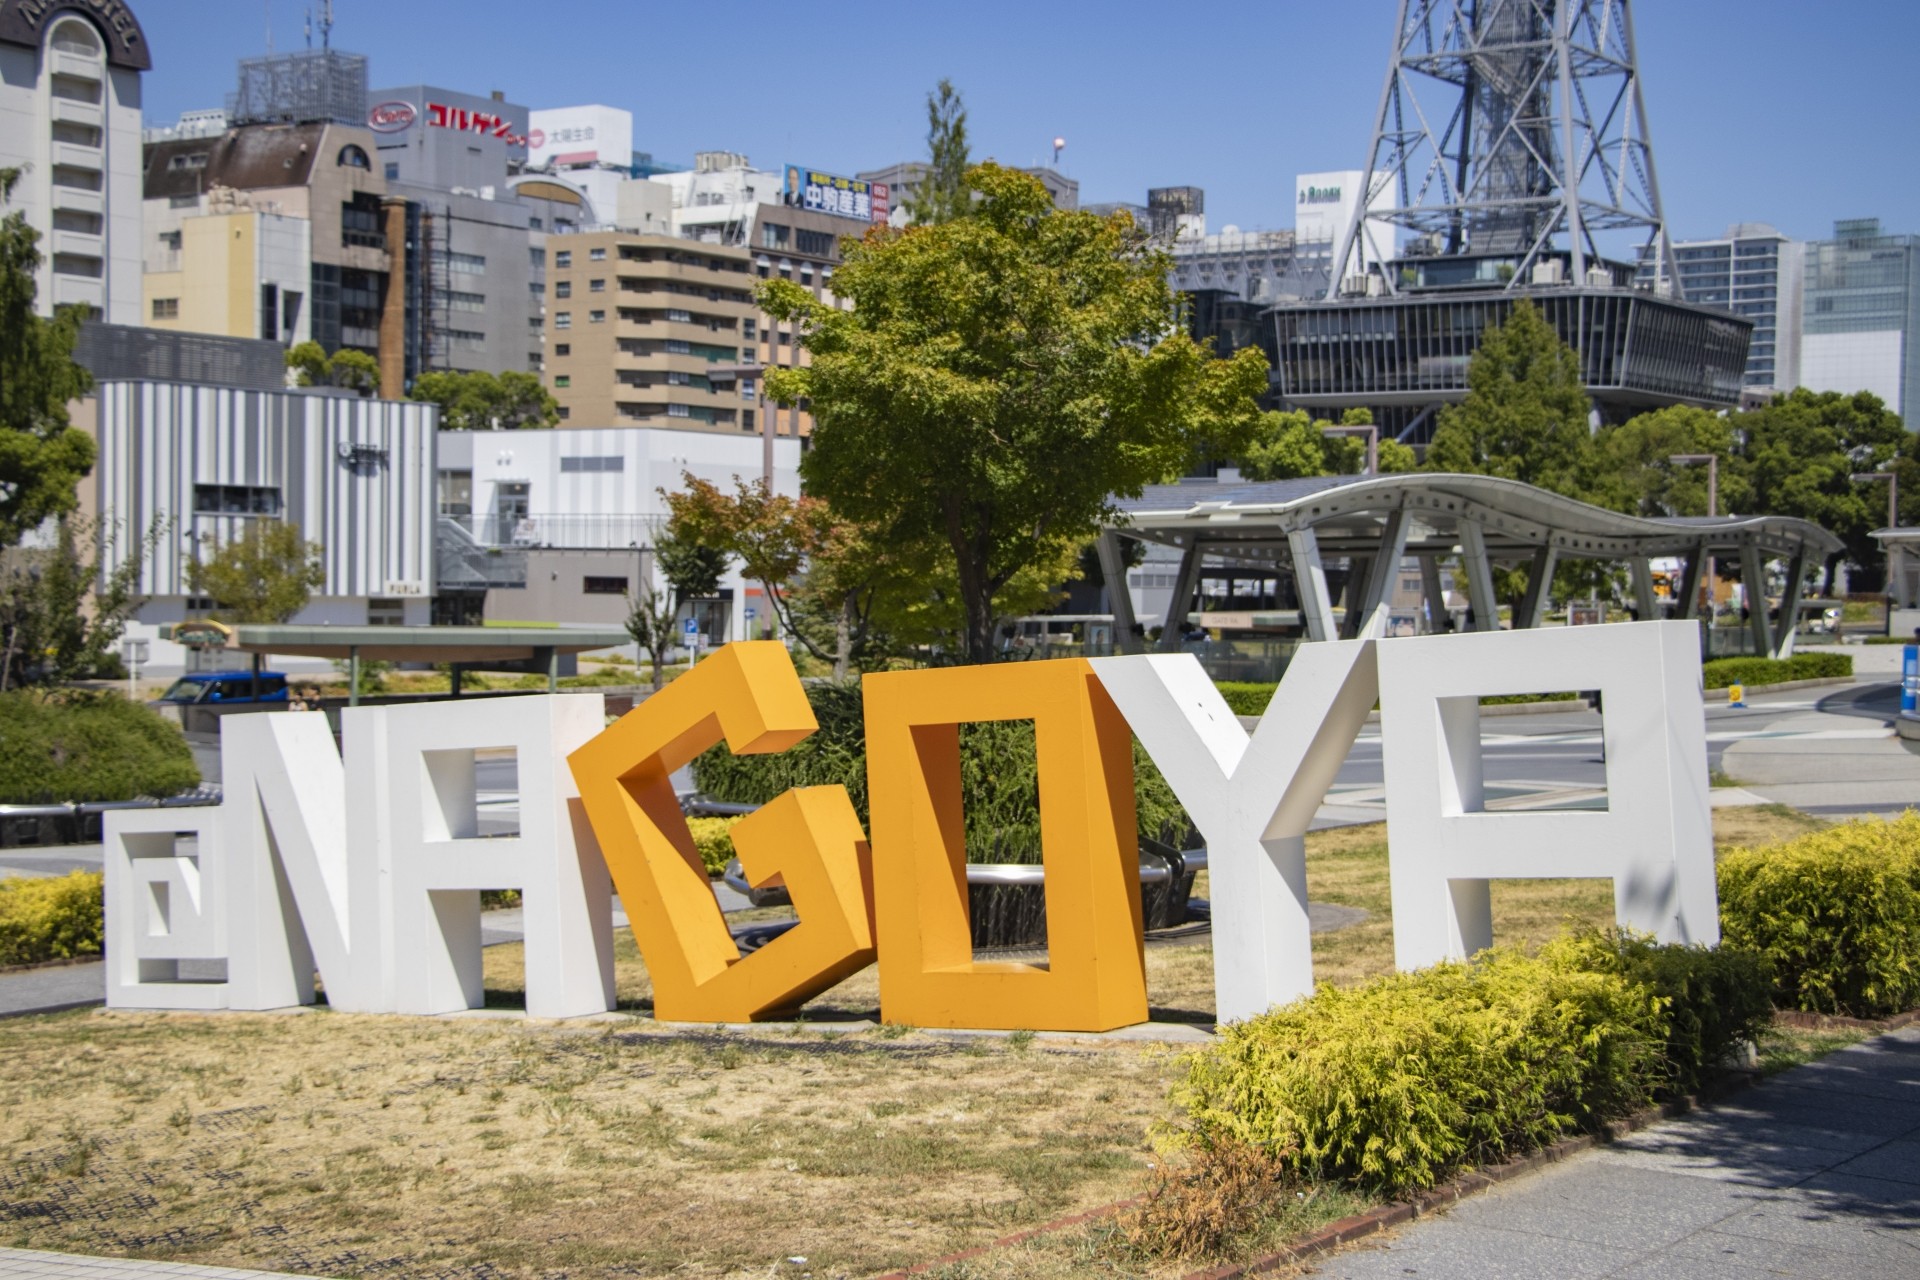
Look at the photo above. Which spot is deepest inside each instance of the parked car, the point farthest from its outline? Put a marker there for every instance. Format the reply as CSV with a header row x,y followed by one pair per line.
x,y
204,688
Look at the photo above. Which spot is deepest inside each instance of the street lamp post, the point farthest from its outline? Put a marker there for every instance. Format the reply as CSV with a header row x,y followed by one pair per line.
x,y
1713,508
1372,433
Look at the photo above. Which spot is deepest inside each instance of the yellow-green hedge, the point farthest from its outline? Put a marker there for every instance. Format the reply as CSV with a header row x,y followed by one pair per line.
x,y
1392,1085
711,839
1836,913
51,919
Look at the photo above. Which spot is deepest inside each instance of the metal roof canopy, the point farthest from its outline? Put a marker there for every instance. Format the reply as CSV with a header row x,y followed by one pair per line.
x,y
473,646
1378,521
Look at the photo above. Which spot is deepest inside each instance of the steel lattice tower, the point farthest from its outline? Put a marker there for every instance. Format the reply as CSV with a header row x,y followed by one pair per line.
x,y
1506,125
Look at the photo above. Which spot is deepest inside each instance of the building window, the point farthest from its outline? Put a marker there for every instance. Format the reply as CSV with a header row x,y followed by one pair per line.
x,y
565,413
675,347
170,240
773,236
236,500
563,258
747,328
594,462
815,244
596,317
596,286
563,319
75,38
563,348
596,255
466,340
563,380
593,586
475,262
563,288
747,389
166,308
675,378
679,411
386,613
353,156
393,171
676,314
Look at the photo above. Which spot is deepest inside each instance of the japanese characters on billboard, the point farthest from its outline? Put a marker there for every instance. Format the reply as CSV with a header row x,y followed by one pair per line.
x,y
843,197
568,136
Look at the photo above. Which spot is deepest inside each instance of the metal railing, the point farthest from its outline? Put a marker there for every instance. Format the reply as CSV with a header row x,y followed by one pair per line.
x,y
570,529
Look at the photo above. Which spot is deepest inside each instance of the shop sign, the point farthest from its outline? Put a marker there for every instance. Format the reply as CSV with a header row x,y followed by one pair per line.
x,y
391,117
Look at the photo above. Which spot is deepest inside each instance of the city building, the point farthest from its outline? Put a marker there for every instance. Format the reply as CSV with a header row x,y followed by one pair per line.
x,y
1483,173
352,474
70,122
558,526
650,330
1862,315
1753,271
903,178
224,266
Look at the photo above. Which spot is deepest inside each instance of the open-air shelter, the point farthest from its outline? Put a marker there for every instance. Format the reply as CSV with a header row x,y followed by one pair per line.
x,y
533,649
1295,527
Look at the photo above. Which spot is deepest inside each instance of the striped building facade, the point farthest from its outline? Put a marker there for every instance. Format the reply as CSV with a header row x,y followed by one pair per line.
x,y
354,475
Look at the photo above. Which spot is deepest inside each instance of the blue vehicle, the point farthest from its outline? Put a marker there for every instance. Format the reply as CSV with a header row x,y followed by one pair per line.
x,y
205,688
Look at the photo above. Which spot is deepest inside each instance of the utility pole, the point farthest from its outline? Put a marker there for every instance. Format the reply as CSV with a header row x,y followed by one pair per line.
x,y
1893,492
1713,508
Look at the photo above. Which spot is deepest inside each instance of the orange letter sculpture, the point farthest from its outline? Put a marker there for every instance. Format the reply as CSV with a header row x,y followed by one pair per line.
x,y
1096,976
749,693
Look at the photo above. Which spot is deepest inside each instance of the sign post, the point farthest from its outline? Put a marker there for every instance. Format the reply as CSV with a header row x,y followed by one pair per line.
x,y
691,628
1910,681
134,652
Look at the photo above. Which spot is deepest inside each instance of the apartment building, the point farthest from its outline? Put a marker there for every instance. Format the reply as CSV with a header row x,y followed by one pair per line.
x,y
649,331
70,121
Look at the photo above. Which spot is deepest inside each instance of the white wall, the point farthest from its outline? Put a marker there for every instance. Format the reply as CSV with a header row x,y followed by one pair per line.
x,y
1849,362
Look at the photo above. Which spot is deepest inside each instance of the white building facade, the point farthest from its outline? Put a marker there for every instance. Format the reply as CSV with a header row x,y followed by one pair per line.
x,y
70,121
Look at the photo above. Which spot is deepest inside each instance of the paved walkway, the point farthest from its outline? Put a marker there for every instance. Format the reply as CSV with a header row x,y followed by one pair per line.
x,y
29,1264
1816,1174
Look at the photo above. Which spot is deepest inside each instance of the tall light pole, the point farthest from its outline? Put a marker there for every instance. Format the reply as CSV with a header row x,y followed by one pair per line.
x,y
1372,433
1713,508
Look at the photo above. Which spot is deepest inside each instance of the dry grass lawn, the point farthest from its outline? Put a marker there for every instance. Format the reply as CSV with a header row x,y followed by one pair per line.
x,y
482,1147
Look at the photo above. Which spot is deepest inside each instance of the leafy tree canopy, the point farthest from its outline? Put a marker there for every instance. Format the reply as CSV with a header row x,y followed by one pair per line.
x,y
1633,468
1291,443
43,457
1525,413
264,576
942,194
353,370
481,401
998,380
1802,450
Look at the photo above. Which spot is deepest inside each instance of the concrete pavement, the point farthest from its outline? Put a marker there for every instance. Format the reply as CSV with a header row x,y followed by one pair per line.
x,y
1815,1174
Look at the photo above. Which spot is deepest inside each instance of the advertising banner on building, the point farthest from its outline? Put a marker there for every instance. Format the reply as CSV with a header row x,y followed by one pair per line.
x,y
831,193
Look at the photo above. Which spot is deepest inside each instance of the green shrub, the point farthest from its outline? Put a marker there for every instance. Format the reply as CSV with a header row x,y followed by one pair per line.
x,y
1393,1085
999,776
51,919
88,746
1245,698
1835,912
711,839
1721,672
1714,997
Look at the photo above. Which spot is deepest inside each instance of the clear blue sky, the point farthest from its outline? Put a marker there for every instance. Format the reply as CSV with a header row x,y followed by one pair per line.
x,y
1762,110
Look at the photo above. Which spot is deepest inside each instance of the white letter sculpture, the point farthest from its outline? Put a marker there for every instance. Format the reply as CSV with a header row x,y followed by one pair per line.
x,y
1654,839
368,870
1253,799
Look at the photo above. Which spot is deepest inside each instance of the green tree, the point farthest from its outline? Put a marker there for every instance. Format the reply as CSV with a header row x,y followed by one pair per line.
x,y
1803,449
481,401
347,368
999,380
264,576
1633,469
61,614
942,194
1287,444
692,571
1525,413
43,457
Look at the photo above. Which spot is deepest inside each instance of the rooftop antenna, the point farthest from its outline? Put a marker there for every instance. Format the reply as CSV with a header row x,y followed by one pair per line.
x,y
1059,145
268,5
309,26
326,24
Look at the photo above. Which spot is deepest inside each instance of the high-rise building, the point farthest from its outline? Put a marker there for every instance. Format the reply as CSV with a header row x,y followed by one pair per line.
x,y
1862,315
647,330
1753,271
70,122
903,178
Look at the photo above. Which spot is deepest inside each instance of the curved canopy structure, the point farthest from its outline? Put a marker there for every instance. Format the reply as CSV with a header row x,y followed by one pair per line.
x,y
1376,522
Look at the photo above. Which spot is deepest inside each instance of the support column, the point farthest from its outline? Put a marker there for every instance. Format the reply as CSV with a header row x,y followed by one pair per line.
x,y
1690,584
1478,571
1184,584
1784,634
393,308
1753,583
1533,606
1310,584
1377,604
1644,600
353,675
1436,595
1358,570
1113,567
553,669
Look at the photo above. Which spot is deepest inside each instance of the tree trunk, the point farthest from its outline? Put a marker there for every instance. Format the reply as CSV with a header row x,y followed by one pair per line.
x,y
843,639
